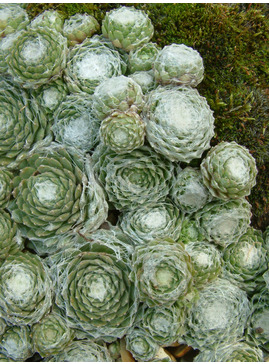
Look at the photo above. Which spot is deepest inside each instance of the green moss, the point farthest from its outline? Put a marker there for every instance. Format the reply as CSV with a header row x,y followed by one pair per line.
x,y
233,41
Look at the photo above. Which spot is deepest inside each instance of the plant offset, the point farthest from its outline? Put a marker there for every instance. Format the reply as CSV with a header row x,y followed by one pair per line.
x,y
125,220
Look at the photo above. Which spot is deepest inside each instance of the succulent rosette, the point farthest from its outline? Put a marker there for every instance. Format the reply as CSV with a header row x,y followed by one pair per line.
x,y
166,325
151,221
141,345
51,334
179,123
51,19
218,316
207,261
10,237
142,58
12,18
231,352
83,351
179,65
190,230
23,124
54,193
91,62
162,271
116,94
95,292
188,191
123,131
78,27
246,261
223,222
145,80
127,28
16,343
257,329
75,124
37,56
229,171
5,46
134,178
25,289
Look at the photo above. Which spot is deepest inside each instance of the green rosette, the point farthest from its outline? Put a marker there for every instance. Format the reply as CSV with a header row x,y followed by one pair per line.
x,y
51,19
16,343
10,237
178,64
37,56
78,27
51,335
229,171
25,289
75,124
190,230
142,58
5,46
132,179
12,18
188,191
141,345
91,62
218,316
127,28
223,222
145,80
151,221
246,261
179,123
117,94
162,271
23,124
55,193
123,131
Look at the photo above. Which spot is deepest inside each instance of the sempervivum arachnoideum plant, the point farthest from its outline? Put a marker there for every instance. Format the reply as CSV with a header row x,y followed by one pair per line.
x,y
127,28
131,179
51,19
10,237
162,271
179,65
229,171
179,122
25,289
16,343
54,193
142,346
37,56
142,58
12,18
151,221
219,315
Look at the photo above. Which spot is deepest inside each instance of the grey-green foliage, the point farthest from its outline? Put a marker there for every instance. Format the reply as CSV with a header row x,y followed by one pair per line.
x,y
207,261
190,230
23,124
91,62
188,191
134,178
10,237
246,261
231,352
51,19
12,18
151,221
219,315
229,171
16,343
123,131
5,46
162,271
78,27
266,237
223,222
37,56
179,122
51,334
142,58
75,124
127,28
25,289
258,325
145,80
179,65
6,186
116,94
141,345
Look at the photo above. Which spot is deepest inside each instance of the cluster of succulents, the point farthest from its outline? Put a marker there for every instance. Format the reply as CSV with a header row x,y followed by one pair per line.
x,y
124,235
